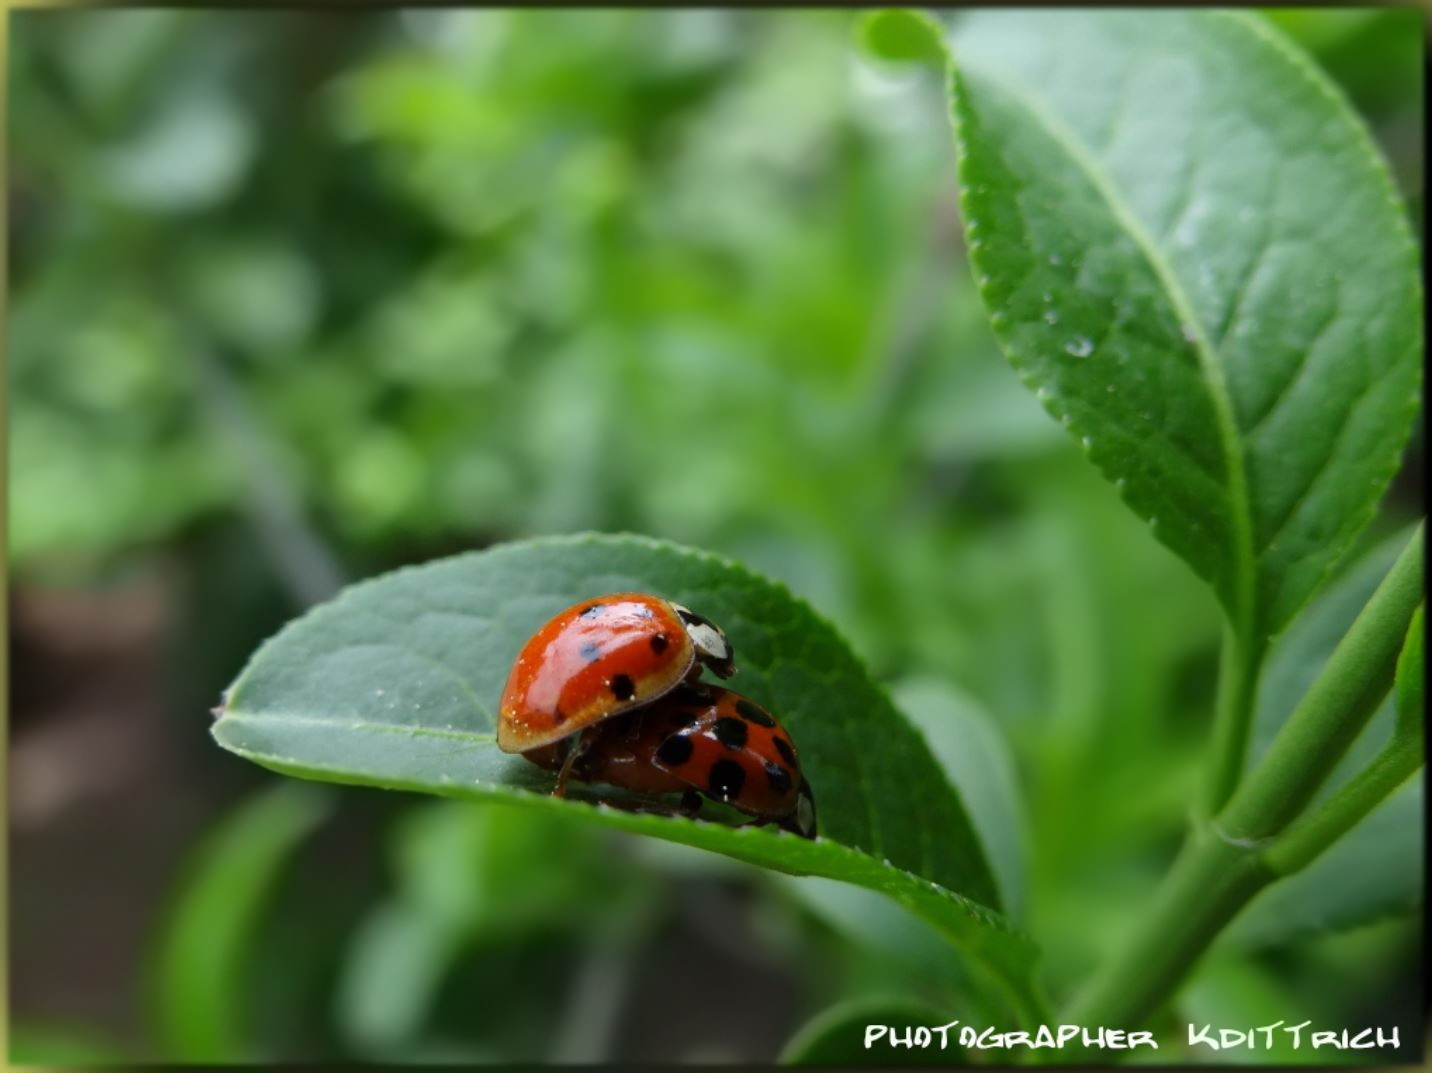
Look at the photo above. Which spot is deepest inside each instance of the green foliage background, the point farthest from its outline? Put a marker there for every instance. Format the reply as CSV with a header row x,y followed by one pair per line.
x,y
296,297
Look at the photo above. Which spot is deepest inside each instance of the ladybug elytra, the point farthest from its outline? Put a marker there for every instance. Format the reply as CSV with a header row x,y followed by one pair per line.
x,y
698,740
607,691
602,657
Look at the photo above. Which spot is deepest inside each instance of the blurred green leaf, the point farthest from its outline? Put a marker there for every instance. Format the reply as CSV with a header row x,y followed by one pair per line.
x,y
192,157
1233,991
977,761
198,1005
258,292
1157,203
836,1037
903,35
468,875
395,682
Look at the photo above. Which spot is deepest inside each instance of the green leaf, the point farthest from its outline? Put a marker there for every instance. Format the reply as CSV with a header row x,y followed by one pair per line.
x,y
1411,694
977,761
836,1036
902,35
1190,250
395,683
199,982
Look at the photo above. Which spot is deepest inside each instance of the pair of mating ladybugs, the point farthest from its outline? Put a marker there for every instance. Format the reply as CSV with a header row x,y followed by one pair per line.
x,y
608,691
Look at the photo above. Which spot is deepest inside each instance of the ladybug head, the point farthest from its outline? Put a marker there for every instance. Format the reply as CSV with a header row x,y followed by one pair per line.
x,y
802,820
710,642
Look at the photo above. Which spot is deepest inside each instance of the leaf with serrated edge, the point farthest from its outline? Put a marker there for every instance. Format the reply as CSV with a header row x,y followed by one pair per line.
x,y
1190,249
396,681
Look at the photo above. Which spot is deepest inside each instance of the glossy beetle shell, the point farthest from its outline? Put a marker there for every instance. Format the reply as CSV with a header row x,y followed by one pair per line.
x,y
703,738
596,659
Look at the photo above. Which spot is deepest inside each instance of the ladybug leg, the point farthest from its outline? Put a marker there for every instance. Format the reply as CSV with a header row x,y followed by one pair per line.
x,y
690,803
574,752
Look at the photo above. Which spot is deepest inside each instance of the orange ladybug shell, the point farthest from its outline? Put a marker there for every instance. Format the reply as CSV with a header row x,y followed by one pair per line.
x,y
594,660
702,738
729,748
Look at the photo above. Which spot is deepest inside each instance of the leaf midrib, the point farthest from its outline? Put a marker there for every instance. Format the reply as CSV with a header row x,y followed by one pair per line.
x,y
408,729
1208,358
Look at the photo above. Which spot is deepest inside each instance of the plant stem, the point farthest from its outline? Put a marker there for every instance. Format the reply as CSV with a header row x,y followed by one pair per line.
x,y
1307,838
1335,708
1209,883
1227,860
1238,669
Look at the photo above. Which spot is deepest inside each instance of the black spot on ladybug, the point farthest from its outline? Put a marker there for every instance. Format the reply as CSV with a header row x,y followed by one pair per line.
x,y
623,688
730,732
590,610
778,777
726,779
784,748
589,651
675,750
747,710
658,643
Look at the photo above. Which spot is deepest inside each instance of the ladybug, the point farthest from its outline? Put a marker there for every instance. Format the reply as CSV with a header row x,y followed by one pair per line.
x,y
602,657
698,740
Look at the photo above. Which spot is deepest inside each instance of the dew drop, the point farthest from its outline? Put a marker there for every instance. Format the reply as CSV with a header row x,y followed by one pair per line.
x,y
1051,317
1079,348
1087,442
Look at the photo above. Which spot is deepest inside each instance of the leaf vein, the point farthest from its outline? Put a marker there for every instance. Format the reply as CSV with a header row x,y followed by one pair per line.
x,y
1236,478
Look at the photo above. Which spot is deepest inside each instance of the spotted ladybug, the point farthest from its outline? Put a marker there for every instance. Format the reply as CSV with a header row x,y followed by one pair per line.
x,y
697,740
602,657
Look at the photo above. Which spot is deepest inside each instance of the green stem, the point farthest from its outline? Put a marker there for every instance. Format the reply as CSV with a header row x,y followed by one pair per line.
x,y
1312,834
1334,710
1239,666
1209,883
1227,861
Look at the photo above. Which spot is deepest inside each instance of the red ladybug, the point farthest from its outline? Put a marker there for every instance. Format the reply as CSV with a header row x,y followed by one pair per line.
x,y
695,740
602,657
